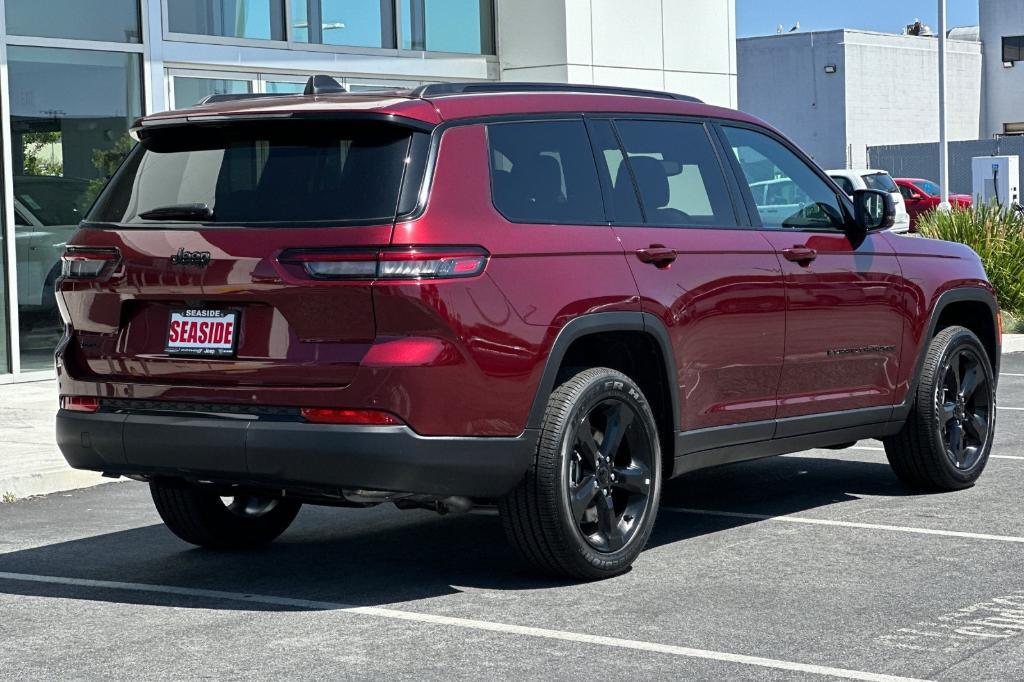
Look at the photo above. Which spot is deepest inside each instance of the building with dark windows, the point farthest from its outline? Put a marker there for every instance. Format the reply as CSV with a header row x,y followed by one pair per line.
x,y
1002,33
74,74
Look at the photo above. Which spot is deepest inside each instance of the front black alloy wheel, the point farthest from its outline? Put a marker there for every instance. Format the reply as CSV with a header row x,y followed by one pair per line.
x,y
966,407
945,442
586,507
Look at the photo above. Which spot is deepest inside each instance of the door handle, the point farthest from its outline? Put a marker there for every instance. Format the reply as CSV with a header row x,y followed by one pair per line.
x,y
657,255
800,254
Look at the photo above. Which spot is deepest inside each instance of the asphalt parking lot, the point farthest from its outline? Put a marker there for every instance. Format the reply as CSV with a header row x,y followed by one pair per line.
x,y
811,566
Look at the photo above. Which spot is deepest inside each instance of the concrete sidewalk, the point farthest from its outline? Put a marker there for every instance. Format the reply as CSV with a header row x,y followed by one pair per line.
x,y
31,464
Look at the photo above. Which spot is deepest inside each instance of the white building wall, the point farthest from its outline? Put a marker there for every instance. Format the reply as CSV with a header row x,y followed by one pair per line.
x,y
1003,87
884,90
783,81
681,47
892,91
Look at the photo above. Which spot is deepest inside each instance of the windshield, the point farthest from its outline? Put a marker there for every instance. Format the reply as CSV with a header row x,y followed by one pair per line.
x,y
243,173
880,181
929,188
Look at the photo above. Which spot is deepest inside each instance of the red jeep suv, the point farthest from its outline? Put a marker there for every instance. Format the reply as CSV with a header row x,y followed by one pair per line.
x,y
546,298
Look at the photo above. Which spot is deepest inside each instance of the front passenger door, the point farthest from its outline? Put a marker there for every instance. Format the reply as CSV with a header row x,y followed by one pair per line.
x,y
843,292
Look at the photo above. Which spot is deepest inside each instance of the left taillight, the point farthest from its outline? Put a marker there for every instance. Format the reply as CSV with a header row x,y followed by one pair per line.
x,y
87,263
392,263
79,403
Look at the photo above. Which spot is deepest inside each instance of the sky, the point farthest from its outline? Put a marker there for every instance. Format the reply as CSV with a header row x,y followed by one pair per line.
x,y
761,17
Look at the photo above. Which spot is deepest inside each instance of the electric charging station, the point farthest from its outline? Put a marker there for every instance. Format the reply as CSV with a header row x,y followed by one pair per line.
x,y
996,178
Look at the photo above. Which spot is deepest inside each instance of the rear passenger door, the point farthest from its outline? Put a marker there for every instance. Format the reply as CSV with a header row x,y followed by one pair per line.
x,y
714,282
843,291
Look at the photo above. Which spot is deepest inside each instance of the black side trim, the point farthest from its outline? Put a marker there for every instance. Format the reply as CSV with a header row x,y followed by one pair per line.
x,y
975,294
818,428
780,446
713,437
831,421
596,323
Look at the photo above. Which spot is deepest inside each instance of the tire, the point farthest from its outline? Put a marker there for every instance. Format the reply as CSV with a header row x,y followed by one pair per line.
x,y
202,518
945,442
569,517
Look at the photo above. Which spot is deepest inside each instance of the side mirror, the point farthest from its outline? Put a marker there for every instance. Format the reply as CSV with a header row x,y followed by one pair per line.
x,y
873,209
916,197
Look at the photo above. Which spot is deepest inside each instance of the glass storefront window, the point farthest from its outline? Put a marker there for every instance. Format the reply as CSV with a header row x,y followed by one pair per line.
x,y
189,90
111,20
356,23
257,19
448,26
284,87
70,115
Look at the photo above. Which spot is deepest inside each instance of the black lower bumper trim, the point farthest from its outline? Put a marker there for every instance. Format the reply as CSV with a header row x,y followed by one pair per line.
x,y
282,454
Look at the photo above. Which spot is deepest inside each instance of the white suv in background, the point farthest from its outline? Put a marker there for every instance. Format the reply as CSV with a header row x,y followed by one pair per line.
x,y
850,179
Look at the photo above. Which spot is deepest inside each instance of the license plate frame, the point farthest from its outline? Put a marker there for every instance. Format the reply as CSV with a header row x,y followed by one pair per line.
x,y
212,347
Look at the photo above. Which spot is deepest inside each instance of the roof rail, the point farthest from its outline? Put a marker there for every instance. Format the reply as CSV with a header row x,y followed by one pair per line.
x,y
230,97
447,89
317,84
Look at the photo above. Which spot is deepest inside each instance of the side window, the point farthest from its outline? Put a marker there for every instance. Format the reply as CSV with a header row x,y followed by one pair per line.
x,y
620,193
906,191
677,173
787,192
844,183
544,172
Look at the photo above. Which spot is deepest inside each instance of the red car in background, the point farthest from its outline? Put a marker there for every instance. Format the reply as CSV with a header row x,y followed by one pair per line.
x,y
924,195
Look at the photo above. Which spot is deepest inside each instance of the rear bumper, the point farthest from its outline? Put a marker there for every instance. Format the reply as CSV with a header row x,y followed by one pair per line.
x,y
293,454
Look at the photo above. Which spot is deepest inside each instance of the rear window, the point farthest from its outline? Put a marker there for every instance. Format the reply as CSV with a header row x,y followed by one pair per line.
x,y
880,181
544,172
281,172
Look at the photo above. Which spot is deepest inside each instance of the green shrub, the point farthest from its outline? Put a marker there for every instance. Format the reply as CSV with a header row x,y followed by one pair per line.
x,y
997,235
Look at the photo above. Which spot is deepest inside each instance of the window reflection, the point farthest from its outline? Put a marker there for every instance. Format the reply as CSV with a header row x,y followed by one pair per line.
x,y
189,90
448,25
258,19
356,23
70,115
112,20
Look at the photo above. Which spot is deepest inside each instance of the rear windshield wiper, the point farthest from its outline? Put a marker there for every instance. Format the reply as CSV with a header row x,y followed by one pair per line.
x,y
179,212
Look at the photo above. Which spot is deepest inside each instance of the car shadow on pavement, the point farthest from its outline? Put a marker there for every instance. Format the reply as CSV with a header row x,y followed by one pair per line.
x,y
382,556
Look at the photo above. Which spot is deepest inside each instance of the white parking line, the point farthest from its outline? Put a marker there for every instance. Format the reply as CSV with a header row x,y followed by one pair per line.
x,y
489,626
846,524
865,447
1010,374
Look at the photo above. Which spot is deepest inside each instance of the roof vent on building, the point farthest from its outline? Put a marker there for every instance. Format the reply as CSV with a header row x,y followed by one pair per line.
x,y
322,85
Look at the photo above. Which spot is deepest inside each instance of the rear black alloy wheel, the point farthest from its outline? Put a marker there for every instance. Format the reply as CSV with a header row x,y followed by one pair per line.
x,y
945,442
586,507
203,518
609,475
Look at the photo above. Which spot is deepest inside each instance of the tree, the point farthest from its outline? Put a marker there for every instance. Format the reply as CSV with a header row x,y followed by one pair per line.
x,y
35,164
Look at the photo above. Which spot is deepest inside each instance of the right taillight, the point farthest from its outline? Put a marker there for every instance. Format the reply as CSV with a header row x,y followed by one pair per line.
x,y
392,263
86,263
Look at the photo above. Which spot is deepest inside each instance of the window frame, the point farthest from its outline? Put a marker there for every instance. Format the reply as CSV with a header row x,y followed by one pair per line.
x,y
290,43
544,118
731,190
1017,44
844,201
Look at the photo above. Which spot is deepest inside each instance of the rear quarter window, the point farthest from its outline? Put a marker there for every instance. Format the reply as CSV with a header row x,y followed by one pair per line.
x,y
244,173
544,172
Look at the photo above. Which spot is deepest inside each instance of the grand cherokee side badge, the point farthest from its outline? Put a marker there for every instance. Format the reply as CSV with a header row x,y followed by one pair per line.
x,y
197,258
